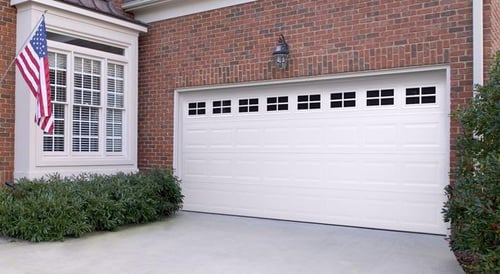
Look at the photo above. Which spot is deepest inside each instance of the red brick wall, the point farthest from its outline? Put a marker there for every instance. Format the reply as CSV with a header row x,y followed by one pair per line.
x,y
234,44
7,53
491,34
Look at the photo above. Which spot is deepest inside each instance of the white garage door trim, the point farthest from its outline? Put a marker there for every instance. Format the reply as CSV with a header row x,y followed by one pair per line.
x,y
283,86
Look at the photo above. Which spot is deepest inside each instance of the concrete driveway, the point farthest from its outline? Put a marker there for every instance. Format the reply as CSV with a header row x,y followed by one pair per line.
x,y
205,243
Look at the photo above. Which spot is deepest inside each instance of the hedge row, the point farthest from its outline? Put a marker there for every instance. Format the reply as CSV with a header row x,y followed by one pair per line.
x,y
473,205
52,208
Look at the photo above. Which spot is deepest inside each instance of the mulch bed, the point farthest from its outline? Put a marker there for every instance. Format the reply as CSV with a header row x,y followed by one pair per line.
x,y
467,260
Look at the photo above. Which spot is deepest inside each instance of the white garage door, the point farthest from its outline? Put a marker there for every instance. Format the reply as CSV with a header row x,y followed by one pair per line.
x,y
365,151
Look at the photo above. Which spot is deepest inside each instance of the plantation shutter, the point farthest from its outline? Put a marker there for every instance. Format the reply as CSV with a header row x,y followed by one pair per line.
x,y
58,74
115,109
87,102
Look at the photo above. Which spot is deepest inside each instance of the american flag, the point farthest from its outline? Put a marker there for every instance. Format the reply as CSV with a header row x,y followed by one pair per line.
x,y
33,63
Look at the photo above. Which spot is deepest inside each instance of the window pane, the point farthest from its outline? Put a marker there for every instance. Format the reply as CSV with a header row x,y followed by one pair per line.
x,y
387,92
302,106
85,129
428,99
372,102
349,95
115,86
283,107
303,98
429,90
315,105
315,97
114,133
271,100
387,101
87,82
57,71
335,96
372,93
336,104
412,100
412,91
349,103
283,99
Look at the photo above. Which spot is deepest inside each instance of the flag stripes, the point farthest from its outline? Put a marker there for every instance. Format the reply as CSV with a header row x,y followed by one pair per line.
x,y
33,63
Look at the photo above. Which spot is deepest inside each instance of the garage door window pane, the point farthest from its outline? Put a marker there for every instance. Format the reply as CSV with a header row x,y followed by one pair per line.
x,y
312,101
342,99
197,108
223,106
380,97
248,105
424,95
277,103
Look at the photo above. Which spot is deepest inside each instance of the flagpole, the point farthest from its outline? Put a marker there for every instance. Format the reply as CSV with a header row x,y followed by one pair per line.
x,y
25,41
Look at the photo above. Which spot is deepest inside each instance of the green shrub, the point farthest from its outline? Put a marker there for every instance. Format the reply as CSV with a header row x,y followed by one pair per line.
x,y
52,208
473,200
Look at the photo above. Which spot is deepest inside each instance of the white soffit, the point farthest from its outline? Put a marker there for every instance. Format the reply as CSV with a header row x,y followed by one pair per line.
x,y
156,10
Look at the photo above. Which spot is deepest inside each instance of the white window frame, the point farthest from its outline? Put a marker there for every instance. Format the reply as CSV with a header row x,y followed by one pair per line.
x,y
104,58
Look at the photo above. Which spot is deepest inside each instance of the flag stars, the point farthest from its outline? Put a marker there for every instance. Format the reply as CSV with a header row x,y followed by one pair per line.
x,y
39,41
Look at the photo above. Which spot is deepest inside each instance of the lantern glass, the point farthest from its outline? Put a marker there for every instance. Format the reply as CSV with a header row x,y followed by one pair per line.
x,y
281,60
281,53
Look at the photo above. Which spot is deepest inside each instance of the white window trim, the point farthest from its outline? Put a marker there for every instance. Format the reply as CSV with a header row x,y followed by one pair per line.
x,y
30,160
68,157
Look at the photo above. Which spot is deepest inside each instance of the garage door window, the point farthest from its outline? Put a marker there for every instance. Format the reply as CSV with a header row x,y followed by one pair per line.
x,y
197,108
223,106
381,97
343,99
312,101
249,105
424,95
277,103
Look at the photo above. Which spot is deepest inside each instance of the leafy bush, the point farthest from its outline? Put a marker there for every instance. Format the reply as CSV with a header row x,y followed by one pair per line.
x,y
473,200
50,209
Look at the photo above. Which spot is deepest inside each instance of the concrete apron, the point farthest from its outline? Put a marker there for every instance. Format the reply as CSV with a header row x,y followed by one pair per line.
x,y
205,243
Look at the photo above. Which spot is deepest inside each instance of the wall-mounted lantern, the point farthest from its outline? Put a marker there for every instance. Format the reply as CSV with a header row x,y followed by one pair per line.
x,y
281,53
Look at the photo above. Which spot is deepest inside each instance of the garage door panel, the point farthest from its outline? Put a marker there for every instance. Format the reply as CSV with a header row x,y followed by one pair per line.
x,y
342,171
423,174
422,135
220,138
336,210
372,166
372,169
342,137
276,137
